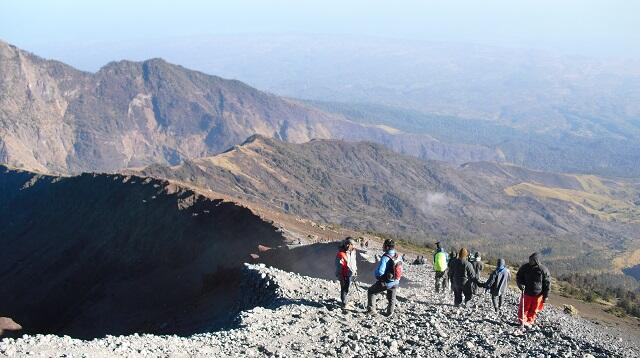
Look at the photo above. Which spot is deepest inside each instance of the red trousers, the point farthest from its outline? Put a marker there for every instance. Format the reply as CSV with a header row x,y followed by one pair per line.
x,y
532,305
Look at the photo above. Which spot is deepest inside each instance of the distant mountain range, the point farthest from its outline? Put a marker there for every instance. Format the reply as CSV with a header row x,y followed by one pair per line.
x,y
556,151
157,119
541,110
532,90
579,221
54,118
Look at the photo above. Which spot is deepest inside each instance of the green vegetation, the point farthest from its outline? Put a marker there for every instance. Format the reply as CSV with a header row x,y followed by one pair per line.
x,y
620,291
604,206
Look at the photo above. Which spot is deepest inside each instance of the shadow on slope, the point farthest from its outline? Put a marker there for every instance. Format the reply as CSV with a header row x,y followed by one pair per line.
x,y
93,255
318,260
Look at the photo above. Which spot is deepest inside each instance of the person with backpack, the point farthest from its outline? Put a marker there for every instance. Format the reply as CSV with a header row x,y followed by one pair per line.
x,y
346,268
462,276
388,274
497,284
477,264
534,281
440,262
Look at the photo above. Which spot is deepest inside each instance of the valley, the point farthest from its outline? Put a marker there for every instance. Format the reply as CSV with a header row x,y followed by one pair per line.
x,y
365,186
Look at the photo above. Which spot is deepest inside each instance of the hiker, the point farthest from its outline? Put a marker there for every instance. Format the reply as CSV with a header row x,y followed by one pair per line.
x,y
417,260
440,262
452,255
462,277
477,264
388,275
534,281
346,269
497,284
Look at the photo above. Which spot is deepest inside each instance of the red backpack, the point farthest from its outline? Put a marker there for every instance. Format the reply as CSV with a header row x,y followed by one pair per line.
x,y
393,271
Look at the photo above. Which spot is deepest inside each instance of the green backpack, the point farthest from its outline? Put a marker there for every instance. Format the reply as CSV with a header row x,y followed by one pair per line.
x,y
440,262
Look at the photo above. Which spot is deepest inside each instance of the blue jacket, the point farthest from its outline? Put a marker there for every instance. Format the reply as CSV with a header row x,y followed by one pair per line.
x,y
382,267
498,282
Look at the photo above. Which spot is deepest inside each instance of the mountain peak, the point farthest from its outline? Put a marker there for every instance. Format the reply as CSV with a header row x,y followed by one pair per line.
x,y
258,139
177,114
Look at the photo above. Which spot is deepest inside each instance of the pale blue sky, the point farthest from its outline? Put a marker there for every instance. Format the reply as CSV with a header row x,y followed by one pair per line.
x,y
592,28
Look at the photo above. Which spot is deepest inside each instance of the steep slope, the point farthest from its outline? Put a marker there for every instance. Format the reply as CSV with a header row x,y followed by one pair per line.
x,y
367,186
109,254
56,119
299,317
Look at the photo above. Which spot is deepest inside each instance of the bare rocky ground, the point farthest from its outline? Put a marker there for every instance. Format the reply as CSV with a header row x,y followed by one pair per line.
x,y
299,316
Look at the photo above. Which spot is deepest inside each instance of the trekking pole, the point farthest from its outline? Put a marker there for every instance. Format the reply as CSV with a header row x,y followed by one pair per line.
x,y
522,309
358,288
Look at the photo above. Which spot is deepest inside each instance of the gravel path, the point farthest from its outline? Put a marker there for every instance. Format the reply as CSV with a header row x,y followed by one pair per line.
x,y
299,316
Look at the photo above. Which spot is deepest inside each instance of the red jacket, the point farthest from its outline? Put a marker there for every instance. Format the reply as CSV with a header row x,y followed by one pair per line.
x,y
342,268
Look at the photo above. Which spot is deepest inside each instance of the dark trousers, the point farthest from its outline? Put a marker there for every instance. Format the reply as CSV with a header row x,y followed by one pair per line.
x,y
380,287
441,281
459,289
345,284
497,302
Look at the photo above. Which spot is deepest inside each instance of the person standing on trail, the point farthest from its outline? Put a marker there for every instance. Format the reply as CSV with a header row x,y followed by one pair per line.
x,y
462,277
346,268
452,255
440,262
387,273
534,281
497,284
477,267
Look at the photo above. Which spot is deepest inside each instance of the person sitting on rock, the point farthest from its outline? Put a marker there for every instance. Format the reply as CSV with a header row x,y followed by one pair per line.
x,y
346,268
534,280
462,276
417,260
387,275
497,284
440,262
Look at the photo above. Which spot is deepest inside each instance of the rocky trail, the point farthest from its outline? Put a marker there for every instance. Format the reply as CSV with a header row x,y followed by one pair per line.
x,y
299,316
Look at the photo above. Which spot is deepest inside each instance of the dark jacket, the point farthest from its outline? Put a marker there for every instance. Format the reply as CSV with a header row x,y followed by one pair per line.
x,y
498,281
535,278
462,272
478,266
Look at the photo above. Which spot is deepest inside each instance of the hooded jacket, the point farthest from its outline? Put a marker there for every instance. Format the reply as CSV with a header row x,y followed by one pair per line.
x,y
534,277
477,265
498,281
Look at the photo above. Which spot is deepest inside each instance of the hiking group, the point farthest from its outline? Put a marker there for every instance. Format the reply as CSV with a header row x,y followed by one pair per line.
x,y
460,271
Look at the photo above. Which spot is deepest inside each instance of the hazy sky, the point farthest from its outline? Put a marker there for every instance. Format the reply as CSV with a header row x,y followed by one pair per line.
x,y
592,28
